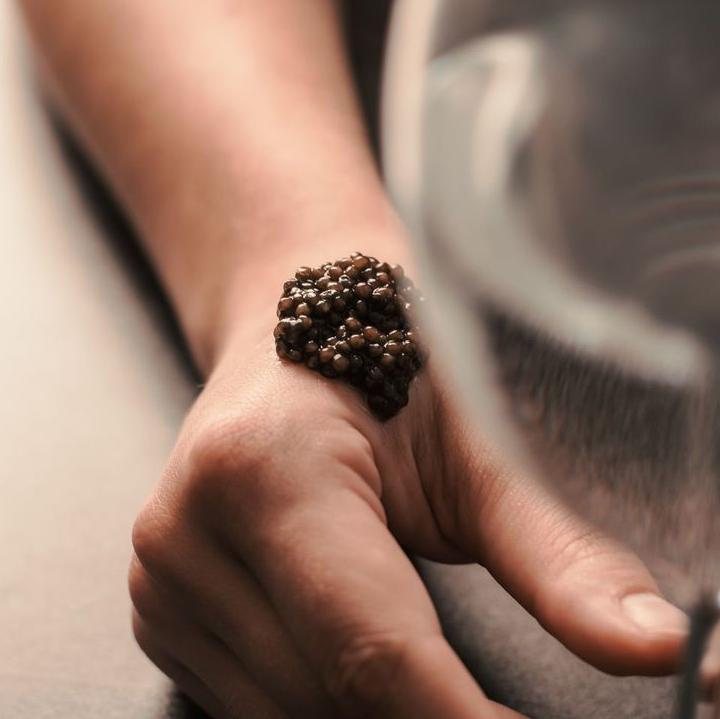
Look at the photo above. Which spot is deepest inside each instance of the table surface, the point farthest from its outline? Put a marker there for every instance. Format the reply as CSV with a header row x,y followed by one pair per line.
x,y
94,389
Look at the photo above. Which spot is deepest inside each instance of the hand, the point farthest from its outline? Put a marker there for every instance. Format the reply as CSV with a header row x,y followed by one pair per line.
x,y
269,579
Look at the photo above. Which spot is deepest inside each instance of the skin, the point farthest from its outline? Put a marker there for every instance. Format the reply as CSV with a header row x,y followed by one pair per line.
x,y
270,575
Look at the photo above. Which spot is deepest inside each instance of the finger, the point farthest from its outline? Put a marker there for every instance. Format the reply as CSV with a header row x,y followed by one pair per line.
x,y
502,712
204,658
185,680
220,595
350,596
597,597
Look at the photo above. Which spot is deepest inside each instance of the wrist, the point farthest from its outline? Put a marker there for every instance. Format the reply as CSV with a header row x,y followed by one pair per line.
x,y
242,315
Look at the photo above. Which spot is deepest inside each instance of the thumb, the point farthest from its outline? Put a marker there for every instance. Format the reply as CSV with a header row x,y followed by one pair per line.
x,y
594,595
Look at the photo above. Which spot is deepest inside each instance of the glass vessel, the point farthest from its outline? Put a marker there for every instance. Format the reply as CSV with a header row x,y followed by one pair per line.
x,y
559,166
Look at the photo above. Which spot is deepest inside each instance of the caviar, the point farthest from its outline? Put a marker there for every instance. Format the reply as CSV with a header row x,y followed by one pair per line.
x,y
349,320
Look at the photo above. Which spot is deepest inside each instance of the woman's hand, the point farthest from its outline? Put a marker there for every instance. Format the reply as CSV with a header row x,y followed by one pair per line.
x,y
270,578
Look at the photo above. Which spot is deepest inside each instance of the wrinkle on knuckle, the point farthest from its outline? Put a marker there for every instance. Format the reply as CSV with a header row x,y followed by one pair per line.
x,y
462,501
573,557
446,494
573,547
363,673
357,455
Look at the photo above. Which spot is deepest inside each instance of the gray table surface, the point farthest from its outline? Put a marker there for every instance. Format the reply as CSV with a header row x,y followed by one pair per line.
x,y
93,390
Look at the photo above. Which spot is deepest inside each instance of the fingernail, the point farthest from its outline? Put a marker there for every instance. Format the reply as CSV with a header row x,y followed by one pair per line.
x,y
653,614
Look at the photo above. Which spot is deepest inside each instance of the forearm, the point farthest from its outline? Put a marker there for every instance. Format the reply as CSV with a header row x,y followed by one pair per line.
x,y
230,132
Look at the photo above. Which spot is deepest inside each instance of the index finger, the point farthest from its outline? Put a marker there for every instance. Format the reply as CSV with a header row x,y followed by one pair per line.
x,y
352,600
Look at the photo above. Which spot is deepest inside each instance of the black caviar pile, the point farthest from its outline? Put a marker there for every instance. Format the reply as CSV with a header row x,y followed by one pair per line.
x,y
349,319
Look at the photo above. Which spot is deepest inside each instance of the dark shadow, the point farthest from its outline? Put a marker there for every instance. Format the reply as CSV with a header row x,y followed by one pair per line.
x,y
366,26
181,707
123,242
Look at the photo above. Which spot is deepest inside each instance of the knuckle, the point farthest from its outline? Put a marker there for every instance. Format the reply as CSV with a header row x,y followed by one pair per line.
x,y
221,445
572,548
361,677
142,592
151,538
143,635
145,539
154,649
222,455
576,558
463,500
